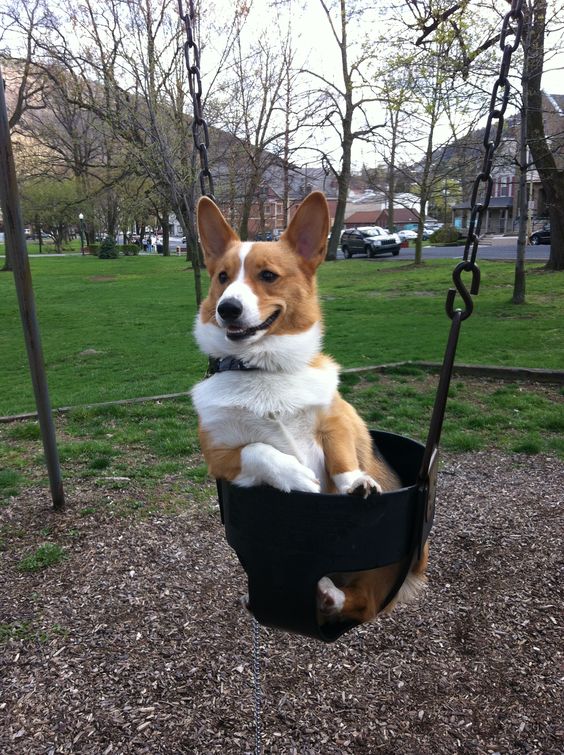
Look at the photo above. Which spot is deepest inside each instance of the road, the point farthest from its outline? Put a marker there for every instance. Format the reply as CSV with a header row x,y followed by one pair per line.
x,y
496,248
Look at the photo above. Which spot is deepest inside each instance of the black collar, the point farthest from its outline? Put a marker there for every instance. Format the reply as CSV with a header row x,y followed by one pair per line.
x,y
226,364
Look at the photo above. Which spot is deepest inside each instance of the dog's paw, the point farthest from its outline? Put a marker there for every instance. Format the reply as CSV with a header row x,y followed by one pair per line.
x,y
364,486
356,483
262,464
330,600
296,476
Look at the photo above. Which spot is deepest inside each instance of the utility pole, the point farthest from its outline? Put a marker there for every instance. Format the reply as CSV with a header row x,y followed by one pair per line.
x,y
15,242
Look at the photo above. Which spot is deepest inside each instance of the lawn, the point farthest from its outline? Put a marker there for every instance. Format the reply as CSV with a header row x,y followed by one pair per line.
x,y
115,329
147,443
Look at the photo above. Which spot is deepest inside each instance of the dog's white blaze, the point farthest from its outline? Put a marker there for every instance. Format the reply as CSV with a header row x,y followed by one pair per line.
x,y
243,292
243,252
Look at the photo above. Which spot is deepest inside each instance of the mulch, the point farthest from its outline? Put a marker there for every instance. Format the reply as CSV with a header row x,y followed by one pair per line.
x,y
137,642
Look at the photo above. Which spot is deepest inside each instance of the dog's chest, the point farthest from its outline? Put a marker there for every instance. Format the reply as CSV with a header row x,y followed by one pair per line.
x,y
279,409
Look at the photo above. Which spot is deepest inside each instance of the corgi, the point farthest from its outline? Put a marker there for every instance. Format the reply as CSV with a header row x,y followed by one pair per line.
x,y
272,413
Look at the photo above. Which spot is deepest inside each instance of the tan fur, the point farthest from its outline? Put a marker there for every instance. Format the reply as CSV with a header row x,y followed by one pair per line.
x,y
343,436
347,445
222,462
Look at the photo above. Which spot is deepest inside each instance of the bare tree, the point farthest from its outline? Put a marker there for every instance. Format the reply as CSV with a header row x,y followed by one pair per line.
x,y
347,102
547,153
24,82
126,67
546,150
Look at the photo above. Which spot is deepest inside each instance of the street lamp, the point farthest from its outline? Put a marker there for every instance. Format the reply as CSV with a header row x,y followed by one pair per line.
x,y
445,195
81,228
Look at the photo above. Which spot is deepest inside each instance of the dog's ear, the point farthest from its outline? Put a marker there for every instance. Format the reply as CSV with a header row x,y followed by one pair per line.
x,y
214,231
308,230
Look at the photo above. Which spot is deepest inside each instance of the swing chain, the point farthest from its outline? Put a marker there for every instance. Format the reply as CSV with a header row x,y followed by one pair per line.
x,y
256,686
200,130
512,26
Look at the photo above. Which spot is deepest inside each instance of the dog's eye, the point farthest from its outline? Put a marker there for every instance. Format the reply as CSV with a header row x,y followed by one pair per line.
x,y
268,276
223,277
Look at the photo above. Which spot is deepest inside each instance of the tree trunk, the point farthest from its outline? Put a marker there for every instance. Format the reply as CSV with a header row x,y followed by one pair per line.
x,y
519,281
250,194
343,181
7,267
166,235
551,176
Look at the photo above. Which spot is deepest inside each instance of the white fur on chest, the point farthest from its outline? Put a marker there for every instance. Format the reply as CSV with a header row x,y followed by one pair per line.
x,y
239,408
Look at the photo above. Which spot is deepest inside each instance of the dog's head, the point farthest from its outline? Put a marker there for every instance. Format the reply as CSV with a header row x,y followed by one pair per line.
x,y
260,289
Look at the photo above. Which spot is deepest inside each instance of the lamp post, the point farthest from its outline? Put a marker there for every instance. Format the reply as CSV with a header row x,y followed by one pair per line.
x,y
81,228
445,195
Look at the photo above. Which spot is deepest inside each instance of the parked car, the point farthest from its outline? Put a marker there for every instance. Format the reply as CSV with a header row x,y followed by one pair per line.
x,y
407,235
541,236
369,240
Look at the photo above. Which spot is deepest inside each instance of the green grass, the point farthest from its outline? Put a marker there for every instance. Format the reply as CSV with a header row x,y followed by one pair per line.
x,y
24,630
46,555
48,247
122,328
479,415
10,483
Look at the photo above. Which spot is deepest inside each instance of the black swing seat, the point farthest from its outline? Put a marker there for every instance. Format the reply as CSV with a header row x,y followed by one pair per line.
x,y
287,541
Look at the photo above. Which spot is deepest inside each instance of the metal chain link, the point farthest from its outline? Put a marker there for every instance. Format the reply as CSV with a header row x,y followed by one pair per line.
x,y
200,133
199,126
512,26
256,686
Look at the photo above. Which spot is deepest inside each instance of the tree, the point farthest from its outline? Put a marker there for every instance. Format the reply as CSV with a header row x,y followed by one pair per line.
x,y
346,102
125,67
548,164
24,82
443,104
546,150
50,204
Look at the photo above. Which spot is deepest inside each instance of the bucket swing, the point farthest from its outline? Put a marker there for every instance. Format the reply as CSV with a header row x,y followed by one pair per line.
x,y
286,542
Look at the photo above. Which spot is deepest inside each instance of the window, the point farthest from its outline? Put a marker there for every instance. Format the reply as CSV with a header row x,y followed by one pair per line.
x,y
503,186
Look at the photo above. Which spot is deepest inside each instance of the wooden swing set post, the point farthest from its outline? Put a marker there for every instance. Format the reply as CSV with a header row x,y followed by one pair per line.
x,y
15,242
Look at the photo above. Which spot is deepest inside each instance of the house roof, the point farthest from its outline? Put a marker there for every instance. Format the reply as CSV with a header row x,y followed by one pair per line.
x,y
402,215
495,203
367,217
557,101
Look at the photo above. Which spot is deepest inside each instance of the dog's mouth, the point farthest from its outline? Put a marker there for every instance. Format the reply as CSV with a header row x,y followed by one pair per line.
x,y
239,334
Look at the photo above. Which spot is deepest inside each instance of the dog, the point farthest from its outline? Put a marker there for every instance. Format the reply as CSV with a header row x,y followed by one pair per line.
x,y
272,414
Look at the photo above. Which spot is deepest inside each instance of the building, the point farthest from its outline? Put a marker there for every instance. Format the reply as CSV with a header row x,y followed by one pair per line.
x,y
502,215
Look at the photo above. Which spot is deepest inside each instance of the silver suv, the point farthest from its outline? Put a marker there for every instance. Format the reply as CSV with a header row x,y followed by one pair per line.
x,y
370,240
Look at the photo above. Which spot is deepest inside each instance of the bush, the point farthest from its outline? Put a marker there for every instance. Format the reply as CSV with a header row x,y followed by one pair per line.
x,y
108,249
448,234
92,249
129,250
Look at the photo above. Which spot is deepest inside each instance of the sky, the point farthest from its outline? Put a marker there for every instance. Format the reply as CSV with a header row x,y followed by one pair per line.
x,y
317,48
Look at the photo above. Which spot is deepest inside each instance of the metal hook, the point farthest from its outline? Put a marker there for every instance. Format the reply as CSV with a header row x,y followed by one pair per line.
x,y
462,290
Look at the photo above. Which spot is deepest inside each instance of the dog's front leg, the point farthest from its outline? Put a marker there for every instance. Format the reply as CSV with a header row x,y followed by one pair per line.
x,y
340,430
257,464
263,464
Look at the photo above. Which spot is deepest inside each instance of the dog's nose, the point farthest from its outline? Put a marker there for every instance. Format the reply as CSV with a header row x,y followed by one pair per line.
x,y
229,309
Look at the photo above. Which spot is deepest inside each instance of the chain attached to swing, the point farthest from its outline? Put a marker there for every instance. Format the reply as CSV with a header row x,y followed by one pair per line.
x,y
257,691
200,133
200,130
512,26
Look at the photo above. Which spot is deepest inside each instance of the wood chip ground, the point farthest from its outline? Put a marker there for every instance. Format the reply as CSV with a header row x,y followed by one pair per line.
x,y
137,642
